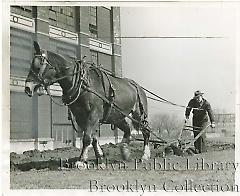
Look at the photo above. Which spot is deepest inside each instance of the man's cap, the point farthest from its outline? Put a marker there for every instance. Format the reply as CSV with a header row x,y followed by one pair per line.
x,y
198,93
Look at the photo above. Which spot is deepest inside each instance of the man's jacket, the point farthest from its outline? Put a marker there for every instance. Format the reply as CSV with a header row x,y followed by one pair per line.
x,y
201,114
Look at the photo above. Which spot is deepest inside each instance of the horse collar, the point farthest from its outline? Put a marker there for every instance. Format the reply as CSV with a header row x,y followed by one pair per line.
x,y
70,96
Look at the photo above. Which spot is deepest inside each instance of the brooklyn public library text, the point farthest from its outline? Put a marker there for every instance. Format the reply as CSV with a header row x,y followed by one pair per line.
x,y
164,164
187,164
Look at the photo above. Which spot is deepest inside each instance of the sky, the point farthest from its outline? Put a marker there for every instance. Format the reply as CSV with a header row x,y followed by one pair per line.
x,y
174,68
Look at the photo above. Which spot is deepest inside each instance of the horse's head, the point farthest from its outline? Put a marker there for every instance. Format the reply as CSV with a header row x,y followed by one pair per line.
x,y
41,73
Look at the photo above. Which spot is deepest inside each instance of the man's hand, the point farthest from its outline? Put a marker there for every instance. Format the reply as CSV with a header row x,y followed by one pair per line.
x,y
213,125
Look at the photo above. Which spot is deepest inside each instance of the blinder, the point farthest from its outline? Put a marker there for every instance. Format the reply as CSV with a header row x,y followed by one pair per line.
x,y
43,65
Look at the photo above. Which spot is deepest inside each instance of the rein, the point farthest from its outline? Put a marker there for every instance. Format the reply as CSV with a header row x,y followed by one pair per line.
x,y
61,78
160,99
46,85
81,79
143,124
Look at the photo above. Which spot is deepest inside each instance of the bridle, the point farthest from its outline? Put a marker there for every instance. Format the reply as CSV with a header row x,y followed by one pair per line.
x,y
44,62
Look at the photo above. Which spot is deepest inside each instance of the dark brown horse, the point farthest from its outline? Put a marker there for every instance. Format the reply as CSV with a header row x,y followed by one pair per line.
x,y
92,96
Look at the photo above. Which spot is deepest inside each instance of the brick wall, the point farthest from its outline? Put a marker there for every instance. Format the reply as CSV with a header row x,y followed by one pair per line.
x,y
37,112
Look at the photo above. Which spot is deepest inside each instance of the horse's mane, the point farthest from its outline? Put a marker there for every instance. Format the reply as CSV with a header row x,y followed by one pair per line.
x,y
62,60
65,60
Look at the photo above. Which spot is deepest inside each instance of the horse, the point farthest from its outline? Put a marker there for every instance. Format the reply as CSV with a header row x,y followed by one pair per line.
x,y
93,96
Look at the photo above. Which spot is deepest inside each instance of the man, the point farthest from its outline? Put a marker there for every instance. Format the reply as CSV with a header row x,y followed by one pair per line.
x,y
201,111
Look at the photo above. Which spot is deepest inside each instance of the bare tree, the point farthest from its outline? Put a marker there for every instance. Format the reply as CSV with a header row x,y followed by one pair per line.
x,y
164,122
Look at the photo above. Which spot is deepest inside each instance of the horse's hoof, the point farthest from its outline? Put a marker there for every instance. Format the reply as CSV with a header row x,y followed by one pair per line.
x,y
125,154
126,157
147,153
145,157
80,165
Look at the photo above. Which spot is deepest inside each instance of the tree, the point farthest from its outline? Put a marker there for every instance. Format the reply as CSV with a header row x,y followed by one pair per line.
x,y
164,122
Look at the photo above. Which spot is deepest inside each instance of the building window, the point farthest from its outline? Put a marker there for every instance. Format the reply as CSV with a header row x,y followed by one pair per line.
x,y
62,17
93,22
21,116
22,10
20,52
94,57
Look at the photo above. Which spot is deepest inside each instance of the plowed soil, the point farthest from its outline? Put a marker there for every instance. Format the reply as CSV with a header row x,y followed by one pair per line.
x,y
44,170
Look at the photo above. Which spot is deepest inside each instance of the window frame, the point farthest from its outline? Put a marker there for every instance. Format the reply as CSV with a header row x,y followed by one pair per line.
x,y
93,26
63,17
94,57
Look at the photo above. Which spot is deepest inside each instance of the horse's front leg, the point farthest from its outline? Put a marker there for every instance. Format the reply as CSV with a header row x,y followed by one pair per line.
x,y
91,124
81,164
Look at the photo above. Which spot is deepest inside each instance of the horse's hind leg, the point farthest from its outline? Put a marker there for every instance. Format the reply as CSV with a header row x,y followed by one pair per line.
x,y
145,132
125,127
97,149
146,151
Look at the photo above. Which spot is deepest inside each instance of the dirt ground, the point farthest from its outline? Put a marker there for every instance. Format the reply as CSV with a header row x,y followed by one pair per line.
x,y
211,171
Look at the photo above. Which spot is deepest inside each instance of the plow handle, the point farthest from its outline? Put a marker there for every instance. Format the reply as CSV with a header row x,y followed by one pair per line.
x,y
199,135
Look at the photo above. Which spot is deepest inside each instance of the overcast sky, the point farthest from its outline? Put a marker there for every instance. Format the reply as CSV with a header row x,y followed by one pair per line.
x,y
175,68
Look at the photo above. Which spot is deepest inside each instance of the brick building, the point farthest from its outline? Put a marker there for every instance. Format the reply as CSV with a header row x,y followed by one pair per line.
x,y
38,123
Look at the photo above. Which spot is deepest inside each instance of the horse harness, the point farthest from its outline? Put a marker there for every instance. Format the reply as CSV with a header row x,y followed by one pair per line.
x,y
110,94
81,80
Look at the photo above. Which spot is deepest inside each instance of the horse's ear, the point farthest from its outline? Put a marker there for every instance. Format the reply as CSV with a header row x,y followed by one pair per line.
x,y
36,47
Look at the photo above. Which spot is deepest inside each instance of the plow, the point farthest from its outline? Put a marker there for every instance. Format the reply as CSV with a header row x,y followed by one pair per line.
x,y
180,145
